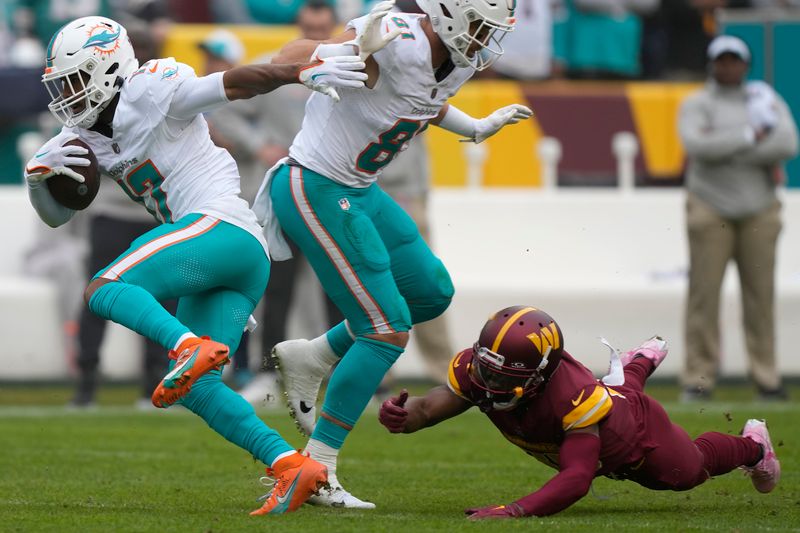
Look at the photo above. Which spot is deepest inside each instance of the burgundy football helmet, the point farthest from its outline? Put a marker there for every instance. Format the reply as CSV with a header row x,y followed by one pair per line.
x,y
518,350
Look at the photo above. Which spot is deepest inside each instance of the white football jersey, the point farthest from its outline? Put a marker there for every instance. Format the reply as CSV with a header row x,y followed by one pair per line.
x,y
351,141
170,166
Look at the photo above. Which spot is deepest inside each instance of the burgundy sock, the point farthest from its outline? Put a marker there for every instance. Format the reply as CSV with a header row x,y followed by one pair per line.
x,y
722,453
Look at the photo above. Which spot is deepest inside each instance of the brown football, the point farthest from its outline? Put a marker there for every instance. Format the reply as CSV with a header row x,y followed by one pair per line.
x,y
69,192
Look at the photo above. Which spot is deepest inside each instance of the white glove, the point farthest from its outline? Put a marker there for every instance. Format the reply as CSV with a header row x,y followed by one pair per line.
x,y
53,157
511,114
338,71
761,106
370,39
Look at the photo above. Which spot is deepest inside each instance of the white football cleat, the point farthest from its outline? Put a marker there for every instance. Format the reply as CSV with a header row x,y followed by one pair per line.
x,y
767,472
263,391
337,496
301,377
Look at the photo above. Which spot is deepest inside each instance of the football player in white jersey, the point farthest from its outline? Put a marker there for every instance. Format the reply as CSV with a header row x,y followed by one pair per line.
x,y
365,249
146,129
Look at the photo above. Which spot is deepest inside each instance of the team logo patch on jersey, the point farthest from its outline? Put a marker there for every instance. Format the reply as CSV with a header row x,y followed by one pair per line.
x,y
344,203
434,92
115,147
169,73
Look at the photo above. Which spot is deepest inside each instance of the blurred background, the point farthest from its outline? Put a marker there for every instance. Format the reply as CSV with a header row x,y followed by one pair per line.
x,y
580,211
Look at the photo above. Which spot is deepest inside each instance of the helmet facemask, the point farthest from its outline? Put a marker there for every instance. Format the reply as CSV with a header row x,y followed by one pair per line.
x,y
503,385
471,29
479,46
76,100
87,61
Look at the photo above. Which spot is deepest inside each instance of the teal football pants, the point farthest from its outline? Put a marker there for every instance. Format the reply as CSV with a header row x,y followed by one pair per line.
x,y
366,251
218,272
373,263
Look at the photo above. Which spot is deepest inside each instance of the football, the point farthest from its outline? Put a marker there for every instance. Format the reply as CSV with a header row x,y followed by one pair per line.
x,y
69,192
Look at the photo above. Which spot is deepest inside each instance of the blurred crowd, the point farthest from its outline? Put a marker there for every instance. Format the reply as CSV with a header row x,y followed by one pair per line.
x,y
575,39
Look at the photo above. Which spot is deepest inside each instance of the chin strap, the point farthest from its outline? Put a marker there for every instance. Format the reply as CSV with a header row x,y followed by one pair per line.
x,y
616,375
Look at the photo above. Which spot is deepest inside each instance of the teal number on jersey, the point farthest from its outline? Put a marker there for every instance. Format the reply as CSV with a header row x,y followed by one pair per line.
x,y
379,154
143,180
400,23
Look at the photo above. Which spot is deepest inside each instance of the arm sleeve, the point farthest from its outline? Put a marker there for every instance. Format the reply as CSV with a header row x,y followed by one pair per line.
x,y
578,457
198,95
702,143
779,145
51,212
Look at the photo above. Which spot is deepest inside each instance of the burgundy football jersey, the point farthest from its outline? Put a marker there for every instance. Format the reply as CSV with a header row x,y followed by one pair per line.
x,y
572,399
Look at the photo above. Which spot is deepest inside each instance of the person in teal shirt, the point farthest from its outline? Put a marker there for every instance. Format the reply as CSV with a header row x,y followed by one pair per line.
x,y
600,38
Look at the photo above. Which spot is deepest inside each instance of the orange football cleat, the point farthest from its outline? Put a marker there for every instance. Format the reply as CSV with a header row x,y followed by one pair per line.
x,y
297,478
195,357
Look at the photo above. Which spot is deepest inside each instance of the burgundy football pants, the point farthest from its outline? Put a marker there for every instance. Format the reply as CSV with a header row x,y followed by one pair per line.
x,y
678,463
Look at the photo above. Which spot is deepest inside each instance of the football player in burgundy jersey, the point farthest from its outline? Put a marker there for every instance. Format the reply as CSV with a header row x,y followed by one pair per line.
x,y
551,406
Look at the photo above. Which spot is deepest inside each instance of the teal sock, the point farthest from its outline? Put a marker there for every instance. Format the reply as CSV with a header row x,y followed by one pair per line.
x,y
351,386
136,309
339,339
231,416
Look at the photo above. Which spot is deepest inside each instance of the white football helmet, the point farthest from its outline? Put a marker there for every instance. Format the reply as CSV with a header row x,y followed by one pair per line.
x,y
87,60
460,23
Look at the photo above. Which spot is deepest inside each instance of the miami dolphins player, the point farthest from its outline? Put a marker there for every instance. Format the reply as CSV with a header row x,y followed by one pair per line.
x,y
146,129
365,249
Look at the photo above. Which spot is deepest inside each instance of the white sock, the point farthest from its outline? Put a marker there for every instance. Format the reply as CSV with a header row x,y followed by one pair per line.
x,y
183,338
281,456
322,351
322,453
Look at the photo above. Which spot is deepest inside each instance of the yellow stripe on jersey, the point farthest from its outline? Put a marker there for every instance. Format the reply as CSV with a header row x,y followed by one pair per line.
x,y
452,382
590,411
507,326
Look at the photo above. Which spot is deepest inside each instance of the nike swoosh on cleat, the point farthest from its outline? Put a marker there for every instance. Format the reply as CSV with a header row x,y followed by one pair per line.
x,y
304,408
283,501
189,361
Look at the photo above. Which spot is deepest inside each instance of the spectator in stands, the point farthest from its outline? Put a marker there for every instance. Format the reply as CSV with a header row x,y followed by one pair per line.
x,y
277,11
677,35
529,48
113,223
47,16
736,135
258,133
601,39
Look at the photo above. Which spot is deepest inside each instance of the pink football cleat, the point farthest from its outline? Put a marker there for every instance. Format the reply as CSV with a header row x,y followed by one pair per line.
x,y
767,472
654,348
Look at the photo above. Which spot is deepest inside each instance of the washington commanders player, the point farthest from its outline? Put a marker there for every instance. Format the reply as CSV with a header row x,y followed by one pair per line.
x,y
551,406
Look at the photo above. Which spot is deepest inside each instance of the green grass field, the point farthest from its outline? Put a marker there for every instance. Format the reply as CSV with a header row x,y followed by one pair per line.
x,y
116,469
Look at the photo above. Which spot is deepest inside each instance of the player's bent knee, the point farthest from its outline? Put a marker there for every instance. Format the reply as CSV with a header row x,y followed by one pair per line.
x,y
92,288
436,300
399,338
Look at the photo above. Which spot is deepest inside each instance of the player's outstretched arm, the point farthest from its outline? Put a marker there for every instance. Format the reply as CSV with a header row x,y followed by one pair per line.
x,y
402,414
478,130
322,74
578,456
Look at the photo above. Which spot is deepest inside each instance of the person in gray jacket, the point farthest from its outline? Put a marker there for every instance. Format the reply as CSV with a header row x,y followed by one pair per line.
x,y
736,135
